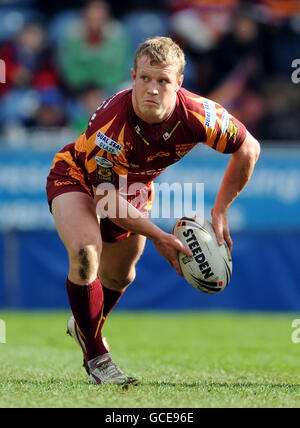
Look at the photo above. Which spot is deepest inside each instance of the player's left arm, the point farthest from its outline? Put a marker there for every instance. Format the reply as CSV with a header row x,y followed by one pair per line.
x,y
237,175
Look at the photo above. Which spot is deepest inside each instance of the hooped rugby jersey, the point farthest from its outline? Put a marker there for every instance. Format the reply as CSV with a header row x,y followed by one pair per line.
x,y
118,143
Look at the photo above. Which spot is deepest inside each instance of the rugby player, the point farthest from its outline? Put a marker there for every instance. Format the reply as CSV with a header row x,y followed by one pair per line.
x,y
135,134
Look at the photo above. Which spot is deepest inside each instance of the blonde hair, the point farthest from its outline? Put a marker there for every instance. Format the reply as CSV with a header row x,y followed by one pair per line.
x,y
161,50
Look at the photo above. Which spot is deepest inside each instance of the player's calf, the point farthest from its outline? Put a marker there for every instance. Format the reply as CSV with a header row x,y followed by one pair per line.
x,y
87,307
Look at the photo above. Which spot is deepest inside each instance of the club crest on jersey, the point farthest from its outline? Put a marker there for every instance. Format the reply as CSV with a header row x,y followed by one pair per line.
x,y
232,131
104,169
225,121
108,144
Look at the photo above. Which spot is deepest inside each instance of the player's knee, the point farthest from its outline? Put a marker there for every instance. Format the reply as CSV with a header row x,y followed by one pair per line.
x,y
127,279
118,280
84,260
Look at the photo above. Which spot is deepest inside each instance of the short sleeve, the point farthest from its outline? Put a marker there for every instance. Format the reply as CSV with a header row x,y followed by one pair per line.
x,y
228,133
214,126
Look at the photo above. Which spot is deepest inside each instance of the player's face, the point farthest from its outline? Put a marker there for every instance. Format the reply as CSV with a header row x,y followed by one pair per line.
x,y
154,90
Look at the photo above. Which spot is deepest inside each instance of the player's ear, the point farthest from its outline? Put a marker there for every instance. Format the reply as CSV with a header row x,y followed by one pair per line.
x,y
133,75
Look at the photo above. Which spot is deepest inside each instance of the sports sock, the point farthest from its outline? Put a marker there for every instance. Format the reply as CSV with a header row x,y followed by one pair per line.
x,y
111,298
86,302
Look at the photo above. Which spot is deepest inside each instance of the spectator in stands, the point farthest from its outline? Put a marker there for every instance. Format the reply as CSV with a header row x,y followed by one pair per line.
x,y
200,24
280,45
241,44
279,9
281,41
28,60
31,96
89,99
50,111
94,50
282,110
236,69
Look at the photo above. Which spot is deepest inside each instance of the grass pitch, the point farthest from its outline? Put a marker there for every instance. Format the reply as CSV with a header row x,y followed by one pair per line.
x,y
184,360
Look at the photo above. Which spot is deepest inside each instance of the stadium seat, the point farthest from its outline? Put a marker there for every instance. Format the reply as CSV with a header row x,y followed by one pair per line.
x,y
60,24
12,19
140,25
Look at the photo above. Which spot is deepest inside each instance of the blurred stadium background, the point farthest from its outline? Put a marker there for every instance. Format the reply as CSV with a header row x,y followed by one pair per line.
x,y
239,53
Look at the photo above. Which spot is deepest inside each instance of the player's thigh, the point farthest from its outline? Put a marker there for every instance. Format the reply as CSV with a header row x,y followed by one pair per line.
x,y
77,225
118,260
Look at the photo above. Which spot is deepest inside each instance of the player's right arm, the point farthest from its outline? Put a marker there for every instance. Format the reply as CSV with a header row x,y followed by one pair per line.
x,y
129,218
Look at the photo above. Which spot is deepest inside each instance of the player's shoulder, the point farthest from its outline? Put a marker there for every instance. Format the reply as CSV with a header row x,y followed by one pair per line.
x,y
117,105
196,108
115,100
205,110
194,101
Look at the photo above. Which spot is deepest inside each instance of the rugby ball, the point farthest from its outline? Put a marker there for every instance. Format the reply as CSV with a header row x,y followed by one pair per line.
x,y
210,268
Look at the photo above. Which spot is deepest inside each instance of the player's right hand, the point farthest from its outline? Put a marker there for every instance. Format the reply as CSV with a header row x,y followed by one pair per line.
x,y
168,246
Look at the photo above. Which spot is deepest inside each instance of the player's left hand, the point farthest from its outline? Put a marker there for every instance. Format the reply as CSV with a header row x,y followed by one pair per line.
x,y
221,227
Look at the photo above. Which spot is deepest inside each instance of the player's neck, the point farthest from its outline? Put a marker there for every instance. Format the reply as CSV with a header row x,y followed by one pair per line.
x,y
152,119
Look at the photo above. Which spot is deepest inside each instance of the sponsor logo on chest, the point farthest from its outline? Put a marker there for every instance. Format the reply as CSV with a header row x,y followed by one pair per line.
x,y
107,144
